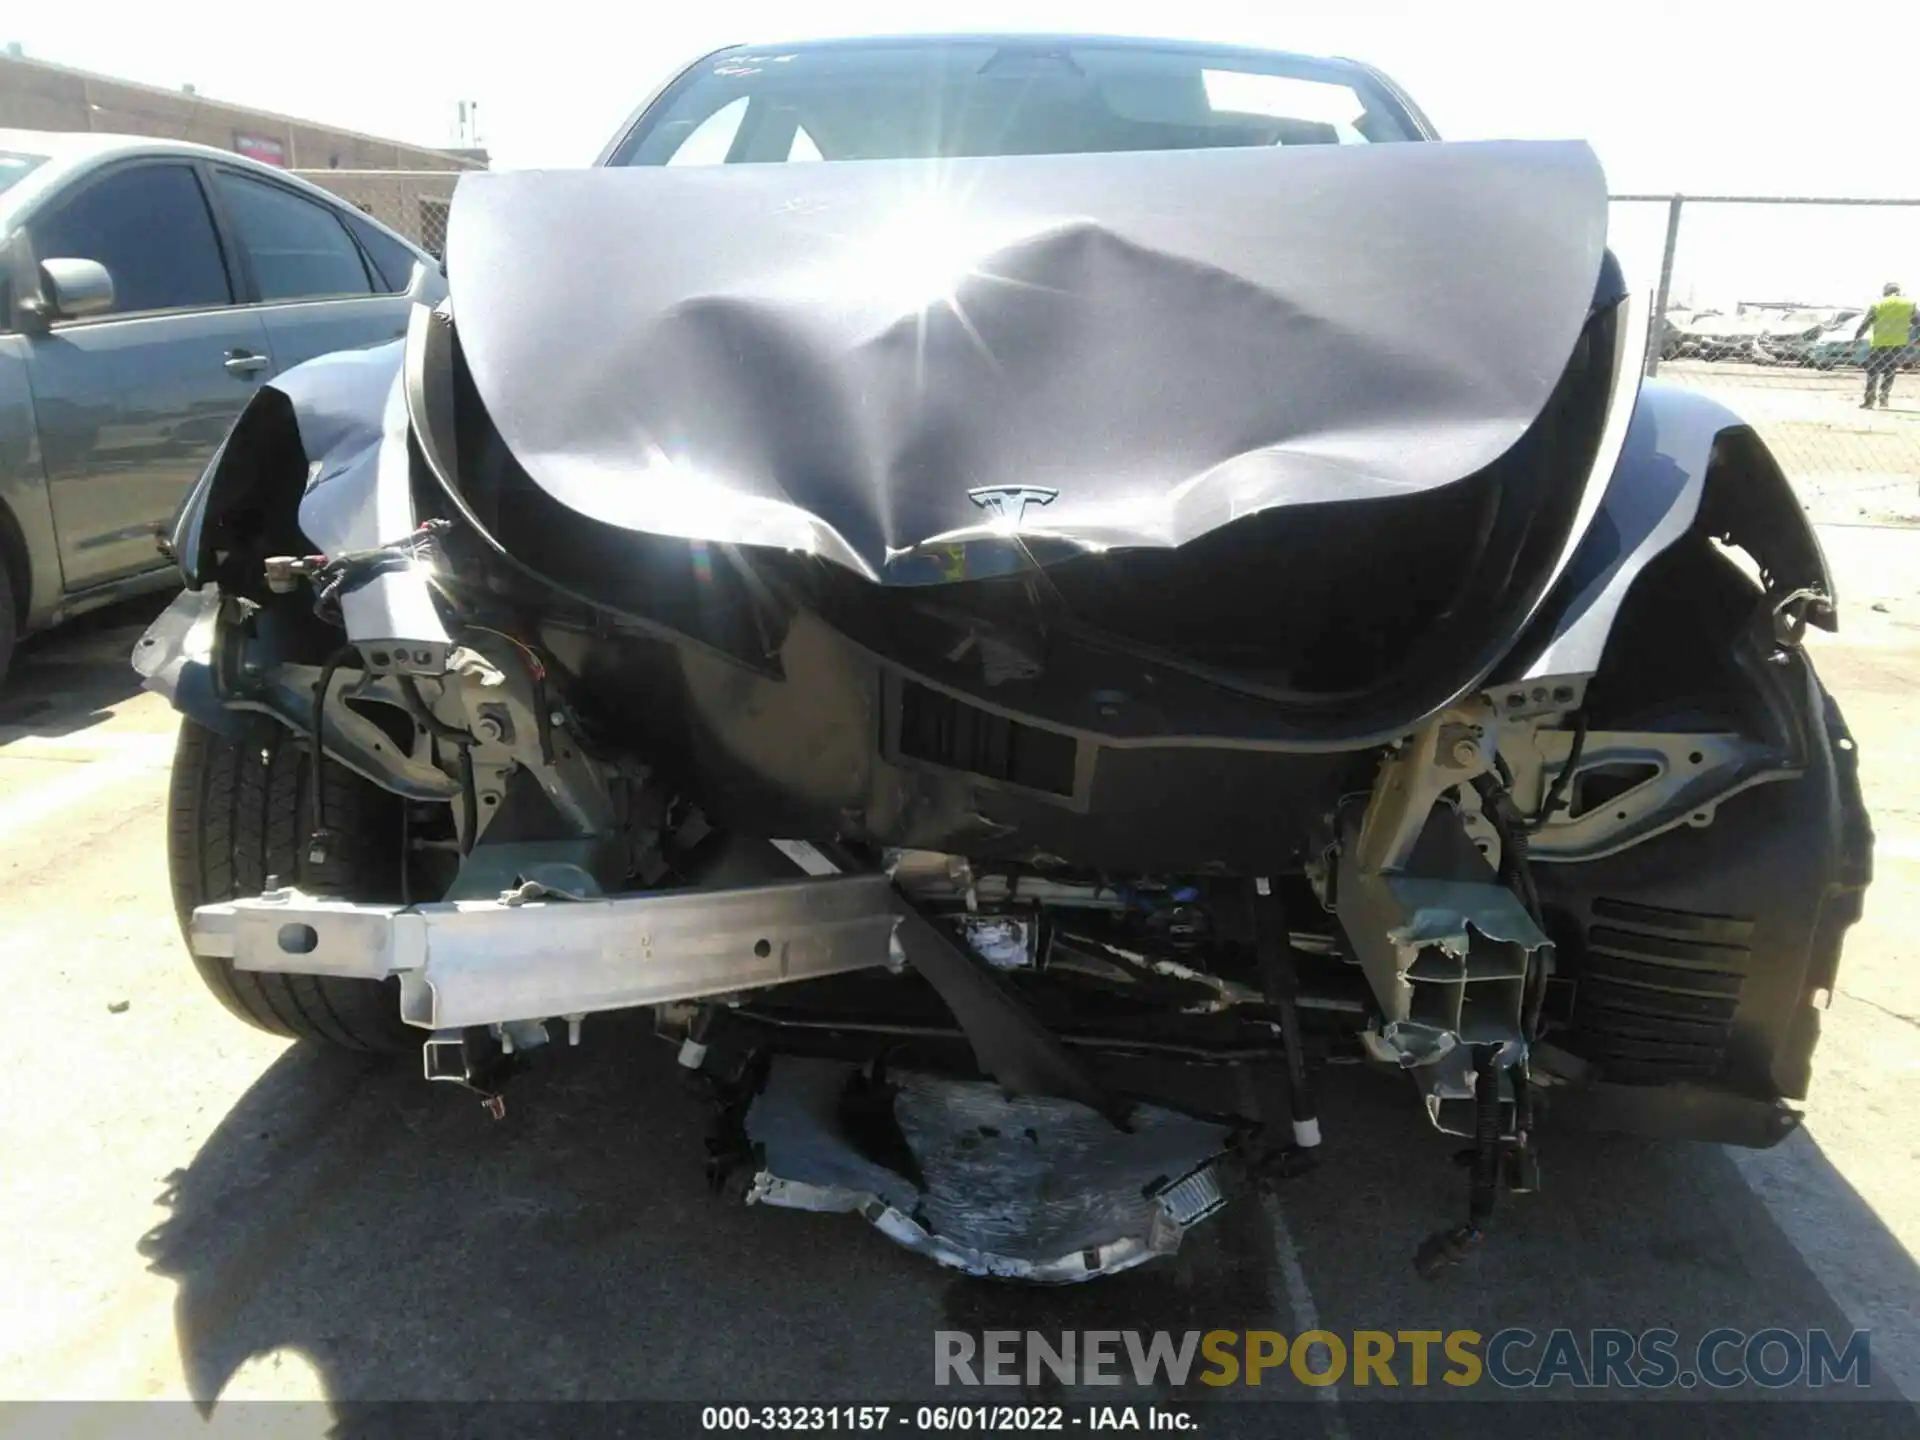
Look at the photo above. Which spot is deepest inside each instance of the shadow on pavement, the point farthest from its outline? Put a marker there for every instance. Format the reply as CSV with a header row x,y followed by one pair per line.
x,y
409,1248
412,1248
67,679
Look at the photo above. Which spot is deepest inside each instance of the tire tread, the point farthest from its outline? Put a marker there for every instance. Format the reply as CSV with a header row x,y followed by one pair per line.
x,y
240,813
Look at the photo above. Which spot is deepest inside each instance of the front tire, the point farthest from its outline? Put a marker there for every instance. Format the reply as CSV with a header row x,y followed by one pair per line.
x,y
239,812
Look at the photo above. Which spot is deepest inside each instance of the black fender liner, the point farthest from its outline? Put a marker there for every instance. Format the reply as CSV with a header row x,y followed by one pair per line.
x,y
1694,967
1701,961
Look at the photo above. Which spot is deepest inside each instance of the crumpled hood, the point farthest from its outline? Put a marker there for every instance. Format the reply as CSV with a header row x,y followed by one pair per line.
x,y
874,361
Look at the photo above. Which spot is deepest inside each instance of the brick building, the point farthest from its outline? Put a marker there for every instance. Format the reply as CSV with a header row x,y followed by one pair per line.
x,y
407,186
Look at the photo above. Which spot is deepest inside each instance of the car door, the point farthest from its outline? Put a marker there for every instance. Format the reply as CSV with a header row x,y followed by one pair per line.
x,y
316,289
132,403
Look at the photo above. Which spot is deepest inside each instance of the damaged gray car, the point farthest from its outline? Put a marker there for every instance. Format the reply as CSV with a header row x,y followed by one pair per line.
x,y
1000,586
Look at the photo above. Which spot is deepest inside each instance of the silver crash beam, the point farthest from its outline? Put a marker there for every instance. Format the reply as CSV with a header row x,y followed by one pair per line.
x,y
487,962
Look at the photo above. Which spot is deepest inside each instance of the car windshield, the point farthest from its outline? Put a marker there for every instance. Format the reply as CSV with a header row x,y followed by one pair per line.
x,y
16,165
917,100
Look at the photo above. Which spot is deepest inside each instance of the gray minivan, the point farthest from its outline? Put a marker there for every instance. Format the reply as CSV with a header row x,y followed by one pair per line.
x,y
147,288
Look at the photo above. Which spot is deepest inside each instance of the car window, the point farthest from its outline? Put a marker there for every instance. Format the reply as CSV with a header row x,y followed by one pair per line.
x,y
17,165
149,225
711,141
299,249
708,142
393,260
1319,112
917,99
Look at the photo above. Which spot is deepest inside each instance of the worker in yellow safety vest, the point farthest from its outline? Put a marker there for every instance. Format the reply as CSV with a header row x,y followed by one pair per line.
x,y
1891,318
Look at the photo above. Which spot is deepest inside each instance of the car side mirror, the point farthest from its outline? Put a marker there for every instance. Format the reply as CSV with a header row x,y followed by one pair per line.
x,y
73,289
427,284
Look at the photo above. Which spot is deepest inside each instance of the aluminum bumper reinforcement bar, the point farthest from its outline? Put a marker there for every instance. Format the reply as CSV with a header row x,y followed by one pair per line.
x,y
486,962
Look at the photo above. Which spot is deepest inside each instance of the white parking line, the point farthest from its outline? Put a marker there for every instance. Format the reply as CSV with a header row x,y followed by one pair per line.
x,y
1293,1279
1306,1316
1815,1208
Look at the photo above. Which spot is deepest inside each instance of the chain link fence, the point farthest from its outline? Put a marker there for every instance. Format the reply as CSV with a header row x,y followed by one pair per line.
x,y
412,202
1761,301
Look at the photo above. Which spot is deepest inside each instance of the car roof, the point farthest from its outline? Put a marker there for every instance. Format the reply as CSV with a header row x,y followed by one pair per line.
x,y
88,145
72,152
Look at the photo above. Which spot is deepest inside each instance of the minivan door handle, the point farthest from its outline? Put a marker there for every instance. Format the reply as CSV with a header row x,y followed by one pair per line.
x,y
245,362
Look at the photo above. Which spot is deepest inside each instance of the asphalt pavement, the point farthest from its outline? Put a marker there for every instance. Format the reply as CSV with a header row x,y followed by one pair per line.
x,y
191,1209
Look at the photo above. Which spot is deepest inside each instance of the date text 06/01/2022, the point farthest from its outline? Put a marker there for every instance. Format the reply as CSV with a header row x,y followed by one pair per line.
x,y
922,1419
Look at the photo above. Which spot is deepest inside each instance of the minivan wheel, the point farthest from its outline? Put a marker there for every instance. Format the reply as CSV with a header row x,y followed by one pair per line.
x,y
238,812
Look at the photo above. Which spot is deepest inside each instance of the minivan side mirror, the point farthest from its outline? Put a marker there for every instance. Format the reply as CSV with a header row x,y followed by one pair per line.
x,y
74,289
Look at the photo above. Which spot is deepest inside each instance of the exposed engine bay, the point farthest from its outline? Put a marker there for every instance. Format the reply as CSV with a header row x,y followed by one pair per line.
x,y
972,894
827,990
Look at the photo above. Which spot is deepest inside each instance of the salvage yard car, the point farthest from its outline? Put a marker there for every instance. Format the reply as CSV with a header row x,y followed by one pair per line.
x,y
991,583
147,289
1844,345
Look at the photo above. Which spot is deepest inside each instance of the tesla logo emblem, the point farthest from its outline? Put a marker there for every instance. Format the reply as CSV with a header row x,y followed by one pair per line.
x,y
1008,503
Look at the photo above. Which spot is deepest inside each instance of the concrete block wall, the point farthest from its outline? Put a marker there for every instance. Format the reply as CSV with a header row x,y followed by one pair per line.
x,y
35,95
